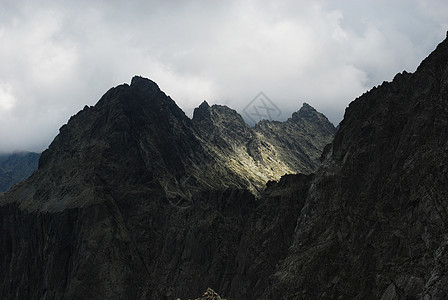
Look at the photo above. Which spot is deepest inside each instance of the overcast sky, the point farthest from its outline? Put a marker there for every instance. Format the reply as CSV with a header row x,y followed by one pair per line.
x,y
57,56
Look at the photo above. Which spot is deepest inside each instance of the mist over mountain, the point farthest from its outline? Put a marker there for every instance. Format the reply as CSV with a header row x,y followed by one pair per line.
x,y
135,200
16,167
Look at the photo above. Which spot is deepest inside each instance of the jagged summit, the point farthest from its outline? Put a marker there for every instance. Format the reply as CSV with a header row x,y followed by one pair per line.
x,y
204,104
435,61
305,110
308,113
271,149
218,114
137,135
215,113
202,113
143,83
141,95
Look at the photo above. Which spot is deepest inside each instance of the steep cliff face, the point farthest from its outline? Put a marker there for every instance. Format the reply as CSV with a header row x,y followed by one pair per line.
x,y
135,200
138,244
374,222
298,141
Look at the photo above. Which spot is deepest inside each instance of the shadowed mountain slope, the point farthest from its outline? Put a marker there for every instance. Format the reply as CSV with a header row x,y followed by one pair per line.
x,y
374,223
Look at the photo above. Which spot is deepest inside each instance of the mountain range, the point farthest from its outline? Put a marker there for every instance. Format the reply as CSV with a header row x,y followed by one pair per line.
x,y
132,195
134,200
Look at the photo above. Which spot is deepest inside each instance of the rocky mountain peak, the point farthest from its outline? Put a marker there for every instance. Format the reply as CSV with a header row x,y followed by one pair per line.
x,y
138,126
227,117
224,125
306,109
142,83
141,99
307,113
204,106
217,114
437,60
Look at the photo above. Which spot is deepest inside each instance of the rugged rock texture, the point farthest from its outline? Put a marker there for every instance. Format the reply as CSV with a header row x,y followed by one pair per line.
x,y
210,294
16,167
375,220
135,200
267,235
299,141
268,151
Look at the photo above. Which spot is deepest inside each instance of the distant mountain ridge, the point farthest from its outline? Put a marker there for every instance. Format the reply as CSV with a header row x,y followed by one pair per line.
x,y
16,167
138,135
269,150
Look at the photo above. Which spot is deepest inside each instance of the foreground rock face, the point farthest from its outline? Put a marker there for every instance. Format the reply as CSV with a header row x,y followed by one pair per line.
x,y
138,245
374,223
210,294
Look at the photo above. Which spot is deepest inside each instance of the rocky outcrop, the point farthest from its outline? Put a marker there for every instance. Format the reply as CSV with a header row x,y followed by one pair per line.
x,y
210,294
16,167
298,141
374,223
268,151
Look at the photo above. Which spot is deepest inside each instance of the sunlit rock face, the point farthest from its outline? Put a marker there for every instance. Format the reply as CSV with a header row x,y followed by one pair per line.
x,y
269,150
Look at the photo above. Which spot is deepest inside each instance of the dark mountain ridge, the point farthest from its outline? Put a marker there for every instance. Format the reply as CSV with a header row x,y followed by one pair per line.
x,y
374,222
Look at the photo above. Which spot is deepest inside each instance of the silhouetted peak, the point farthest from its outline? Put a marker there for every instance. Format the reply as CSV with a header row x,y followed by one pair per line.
x,y
142,83
204,104
436,63
307,108
140,90
202,112
216,113
305,111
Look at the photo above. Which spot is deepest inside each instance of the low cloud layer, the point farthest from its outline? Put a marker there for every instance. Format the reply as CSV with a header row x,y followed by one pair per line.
x,y
57,57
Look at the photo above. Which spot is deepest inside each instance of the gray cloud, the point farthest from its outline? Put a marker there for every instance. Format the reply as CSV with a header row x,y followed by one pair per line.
x,y
57,57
